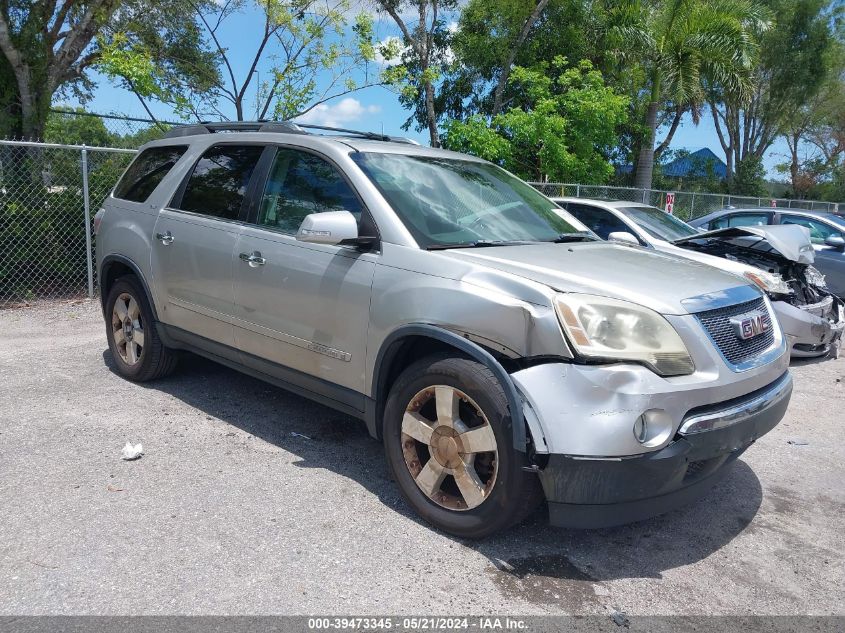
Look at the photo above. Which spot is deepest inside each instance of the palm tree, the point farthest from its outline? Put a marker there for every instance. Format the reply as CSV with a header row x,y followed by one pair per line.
x,y
683,45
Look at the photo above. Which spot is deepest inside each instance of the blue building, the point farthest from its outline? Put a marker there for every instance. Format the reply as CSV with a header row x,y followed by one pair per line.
x,y
699,163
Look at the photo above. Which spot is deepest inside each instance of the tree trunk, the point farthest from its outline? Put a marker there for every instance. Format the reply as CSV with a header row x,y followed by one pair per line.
x,y
511,56
645,162
431,115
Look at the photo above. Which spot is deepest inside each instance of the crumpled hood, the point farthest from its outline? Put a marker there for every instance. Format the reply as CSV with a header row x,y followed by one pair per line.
x,y
787,240
655,280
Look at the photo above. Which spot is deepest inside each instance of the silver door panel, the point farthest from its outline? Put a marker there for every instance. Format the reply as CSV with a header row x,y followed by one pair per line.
x,y
307,307
193,273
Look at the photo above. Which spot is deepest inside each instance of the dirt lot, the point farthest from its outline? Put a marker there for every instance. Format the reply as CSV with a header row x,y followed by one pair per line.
x,y
251,500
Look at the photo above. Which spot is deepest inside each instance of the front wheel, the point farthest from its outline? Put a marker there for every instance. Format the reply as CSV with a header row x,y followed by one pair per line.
x,y
448,437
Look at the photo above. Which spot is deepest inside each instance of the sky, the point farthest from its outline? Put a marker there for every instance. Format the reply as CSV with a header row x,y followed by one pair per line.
x,y
374,109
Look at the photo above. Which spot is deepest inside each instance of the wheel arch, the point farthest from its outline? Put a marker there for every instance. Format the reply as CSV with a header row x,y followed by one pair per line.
x,y
399,349
113,268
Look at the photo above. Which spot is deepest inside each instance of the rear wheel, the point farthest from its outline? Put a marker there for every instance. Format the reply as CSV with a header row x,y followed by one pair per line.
x,y
137,350
448,438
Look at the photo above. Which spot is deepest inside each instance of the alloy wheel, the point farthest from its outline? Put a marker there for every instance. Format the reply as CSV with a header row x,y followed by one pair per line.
x,y
127,328
449,447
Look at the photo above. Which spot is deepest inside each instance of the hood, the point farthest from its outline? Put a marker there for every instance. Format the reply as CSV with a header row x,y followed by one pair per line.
x,y
656,280
787,240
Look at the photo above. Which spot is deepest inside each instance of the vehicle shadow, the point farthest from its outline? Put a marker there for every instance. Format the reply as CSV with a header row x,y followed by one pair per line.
x,y
533,551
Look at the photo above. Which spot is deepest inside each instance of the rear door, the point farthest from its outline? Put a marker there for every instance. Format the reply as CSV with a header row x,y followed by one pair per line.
x,y
303,306
195,239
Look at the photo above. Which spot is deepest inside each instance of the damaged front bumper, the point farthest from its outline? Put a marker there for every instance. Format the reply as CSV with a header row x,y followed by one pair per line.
x,y
596,472
595,493
812,330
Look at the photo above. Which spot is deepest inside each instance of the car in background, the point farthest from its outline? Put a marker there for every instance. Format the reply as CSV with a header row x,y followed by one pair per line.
x,y
777,259
827,232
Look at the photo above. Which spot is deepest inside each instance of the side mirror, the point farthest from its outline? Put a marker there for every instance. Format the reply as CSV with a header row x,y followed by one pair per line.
x,y
331,227
836,242
623,236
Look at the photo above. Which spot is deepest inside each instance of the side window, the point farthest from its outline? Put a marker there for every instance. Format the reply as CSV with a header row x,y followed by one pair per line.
x,y
600,221
147,170
300,184
819,231
220,179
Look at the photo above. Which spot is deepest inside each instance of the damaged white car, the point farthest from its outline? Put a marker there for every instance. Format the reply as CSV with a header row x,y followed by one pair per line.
x,y
777,258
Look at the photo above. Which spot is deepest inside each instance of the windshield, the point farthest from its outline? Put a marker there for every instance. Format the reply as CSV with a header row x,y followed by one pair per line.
x,y
446,202
658,223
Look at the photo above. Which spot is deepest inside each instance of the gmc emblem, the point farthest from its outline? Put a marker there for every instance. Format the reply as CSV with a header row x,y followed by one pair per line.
x,y
747,326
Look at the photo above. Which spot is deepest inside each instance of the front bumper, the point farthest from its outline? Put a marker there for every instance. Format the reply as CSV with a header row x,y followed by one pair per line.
x,y
602,492
811,330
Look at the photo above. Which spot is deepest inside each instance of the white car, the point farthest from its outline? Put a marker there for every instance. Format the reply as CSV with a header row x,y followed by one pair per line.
x,y
776,258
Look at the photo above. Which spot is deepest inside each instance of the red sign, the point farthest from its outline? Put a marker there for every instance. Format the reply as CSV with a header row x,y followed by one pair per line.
x,y
670,203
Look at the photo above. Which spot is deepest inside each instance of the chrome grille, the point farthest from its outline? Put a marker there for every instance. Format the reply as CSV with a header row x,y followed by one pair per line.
x,y
734,349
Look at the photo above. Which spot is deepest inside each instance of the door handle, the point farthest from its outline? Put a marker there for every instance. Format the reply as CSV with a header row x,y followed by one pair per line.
x,y
165,238
253,259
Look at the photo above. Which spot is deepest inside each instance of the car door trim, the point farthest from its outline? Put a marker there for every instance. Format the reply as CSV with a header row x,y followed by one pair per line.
x,y
322,391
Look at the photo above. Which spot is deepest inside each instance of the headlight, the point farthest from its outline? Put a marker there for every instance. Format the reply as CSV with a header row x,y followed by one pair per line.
x,y
600,327
768,282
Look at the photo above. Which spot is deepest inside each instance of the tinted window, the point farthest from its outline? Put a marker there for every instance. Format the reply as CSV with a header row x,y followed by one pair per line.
x,y
301,184
740,219
600,221
819,231
219,181
146,171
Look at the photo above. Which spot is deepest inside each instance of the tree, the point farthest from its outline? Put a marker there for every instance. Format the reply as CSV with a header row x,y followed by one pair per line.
x,y
49,46
426,52
534,12
564,134
794,63
683,43
815,136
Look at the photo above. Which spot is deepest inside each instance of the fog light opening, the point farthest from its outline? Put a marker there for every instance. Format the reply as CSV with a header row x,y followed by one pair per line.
x,y
641,429
653,427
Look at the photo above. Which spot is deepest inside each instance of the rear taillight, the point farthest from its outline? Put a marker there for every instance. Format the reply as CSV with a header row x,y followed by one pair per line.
x,y
98,217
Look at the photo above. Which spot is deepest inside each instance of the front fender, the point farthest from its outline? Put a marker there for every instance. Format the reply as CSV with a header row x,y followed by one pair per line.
x,y
393,343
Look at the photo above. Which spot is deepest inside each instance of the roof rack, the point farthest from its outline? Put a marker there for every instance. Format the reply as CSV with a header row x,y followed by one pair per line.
x,y
283,127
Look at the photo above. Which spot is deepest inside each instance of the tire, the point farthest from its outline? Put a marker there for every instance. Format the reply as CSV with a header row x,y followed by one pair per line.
x,y
128,314
435,472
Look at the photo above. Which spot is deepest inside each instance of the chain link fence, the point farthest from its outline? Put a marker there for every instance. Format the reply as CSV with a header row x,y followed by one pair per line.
x,y
49,193
688,204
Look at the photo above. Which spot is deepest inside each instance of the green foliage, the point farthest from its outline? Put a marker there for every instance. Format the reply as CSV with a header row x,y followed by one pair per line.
x,y
564,133
42,226
749,178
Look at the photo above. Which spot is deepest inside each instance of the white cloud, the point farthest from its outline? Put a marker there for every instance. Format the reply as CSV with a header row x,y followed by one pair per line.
x,y
340,114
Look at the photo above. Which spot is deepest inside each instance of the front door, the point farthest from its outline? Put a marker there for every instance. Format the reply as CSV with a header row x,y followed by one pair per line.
x,y
195,240
829,260
303,306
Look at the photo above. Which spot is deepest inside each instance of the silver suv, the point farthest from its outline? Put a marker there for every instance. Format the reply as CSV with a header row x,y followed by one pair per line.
x,y
502,353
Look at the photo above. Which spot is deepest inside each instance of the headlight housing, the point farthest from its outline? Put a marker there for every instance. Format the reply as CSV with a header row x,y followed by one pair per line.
x,y
768,282
604,328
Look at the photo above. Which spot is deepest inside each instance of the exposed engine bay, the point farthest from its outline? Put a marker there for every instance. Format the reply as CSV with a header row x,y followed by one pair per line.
x,y
784,256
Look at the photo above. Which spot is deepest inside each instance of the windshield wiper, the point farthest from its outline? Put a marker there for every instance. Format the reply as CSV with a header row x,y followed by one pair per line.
x,y
580,236
478,244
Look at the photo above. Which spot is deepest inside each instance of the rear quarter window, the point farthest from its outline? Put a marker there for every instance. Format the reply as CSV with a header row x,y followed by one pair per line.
x,y
147,170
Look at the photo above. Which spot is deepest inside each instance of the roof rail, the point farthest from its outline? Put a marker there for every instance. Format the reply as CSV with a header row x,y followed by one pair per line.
x,y
286,127
208,127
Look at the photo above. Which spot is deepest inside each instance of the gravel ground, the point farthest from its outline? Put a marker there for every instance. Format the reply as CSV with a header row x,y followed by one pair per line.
x,y
250,500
